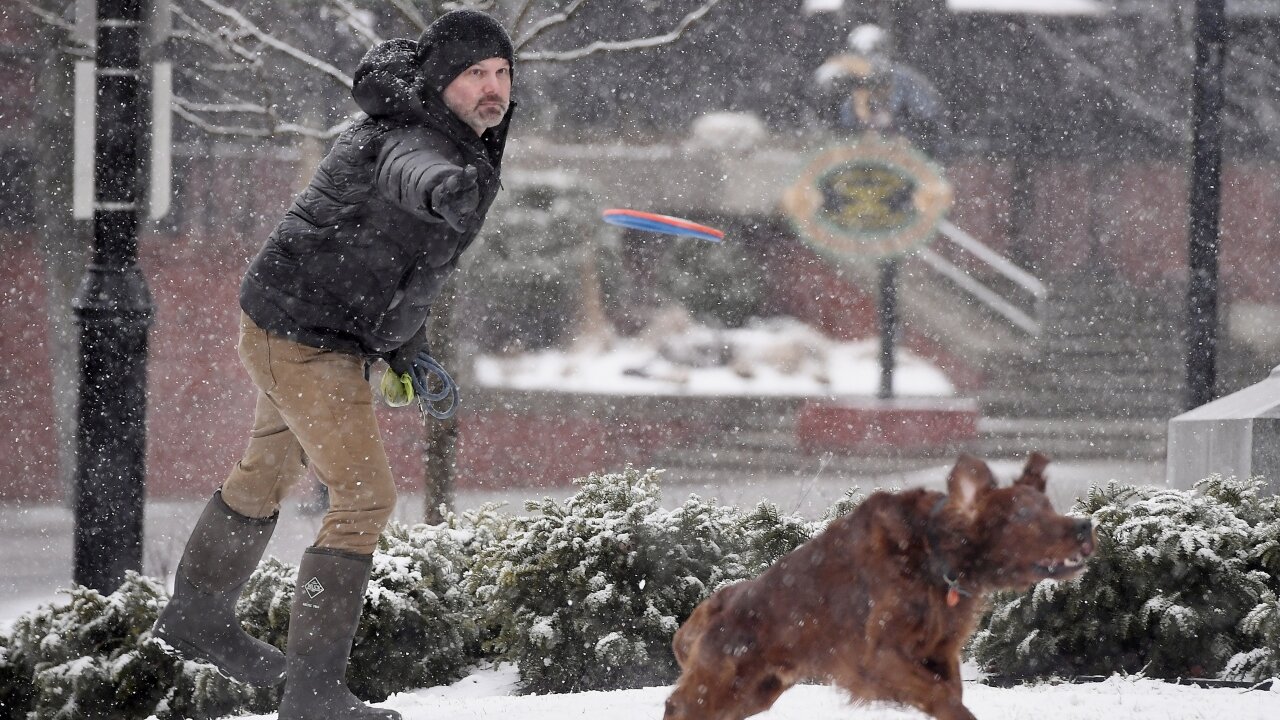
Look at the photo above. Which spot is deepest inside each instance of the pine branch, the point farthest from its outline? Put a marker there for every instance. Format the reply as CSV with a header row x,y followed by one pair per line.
x,y
621,45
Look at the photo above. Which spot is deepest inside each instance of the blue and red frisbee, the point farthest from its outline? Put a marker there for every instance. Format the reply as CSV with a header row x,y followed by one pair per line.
x,y
653,222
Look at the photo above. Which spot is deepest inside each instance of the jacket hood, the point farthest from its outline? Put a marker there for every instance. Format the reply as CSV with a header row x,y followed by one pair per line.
x,y
387,83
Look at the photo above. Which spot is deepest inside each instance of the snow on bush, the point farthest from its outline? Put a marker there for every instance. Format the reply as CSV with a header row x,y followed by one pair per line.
x,y
587,594
93,657
1184,584
419,624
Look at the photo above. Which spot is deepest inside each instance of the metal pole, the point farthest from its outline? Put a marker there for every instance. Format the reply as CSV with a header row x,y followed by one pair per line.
x,y
888,323
113,310
1205,200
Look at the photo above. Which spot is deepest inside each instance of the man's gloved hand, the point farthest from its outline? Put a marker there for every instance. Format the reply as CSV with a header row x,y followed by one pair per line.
x,y
456,197
411,368
400,360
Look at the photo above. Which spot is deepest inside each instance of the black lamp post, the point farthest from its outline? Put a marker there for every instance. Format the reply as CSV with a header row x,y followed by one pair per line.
x,y
1205,200
113,310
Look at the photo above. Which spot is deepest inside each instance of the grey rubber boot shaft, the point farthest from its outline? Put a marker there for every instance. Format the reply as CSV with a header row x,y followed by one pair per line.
x,y
326,612
200,623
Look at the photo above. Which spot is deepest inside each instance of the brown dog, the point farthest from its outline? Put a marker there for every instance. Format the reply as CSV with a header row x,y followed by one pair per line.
x,y
881,602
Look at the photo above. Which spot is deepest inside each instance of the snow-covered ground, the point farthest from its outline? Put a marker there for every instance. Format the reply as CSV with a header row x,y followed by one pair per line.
x,y
769,357
488,694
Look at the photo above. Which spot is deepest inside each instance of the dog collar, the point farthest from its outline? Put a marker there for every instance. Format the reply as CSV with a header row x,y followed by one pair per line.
x,y
950,579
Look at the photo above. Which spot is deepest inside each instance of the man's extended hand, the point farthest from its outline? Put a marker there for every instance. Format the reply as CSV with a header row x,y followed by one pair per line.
x,y
456,197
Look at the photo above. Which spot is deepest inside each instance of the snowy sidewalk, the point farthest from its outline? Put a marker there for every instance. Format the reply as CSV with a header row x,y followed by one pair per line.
x,y
485,696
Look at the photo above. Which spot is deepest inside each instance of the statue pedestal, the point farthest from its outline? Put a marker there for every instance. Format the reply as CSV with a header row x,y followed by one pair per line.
x,y
1237,435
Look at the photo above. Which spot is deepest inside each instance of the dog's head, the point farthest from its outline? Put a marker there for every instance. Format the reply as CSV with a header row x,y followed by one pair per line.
x,y
1014,537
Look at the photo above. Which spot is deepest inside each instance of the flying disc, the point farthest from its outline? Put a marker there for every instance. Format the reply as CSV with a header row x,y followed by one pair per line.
x,y
653,222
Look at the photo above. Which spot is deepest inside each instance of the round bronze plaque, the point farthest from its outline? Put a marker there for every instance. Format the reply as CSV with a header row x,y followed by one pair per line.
x,y
873,198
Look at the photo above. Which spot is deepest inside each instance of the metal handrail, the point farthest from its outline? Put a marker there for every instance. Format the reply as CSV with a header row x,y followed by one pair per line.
x,y
1028,322
995,260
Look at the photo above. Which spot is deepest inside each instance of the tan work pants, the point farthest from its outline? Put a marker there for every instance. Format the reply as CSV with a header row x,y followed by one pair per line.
x,y
315,409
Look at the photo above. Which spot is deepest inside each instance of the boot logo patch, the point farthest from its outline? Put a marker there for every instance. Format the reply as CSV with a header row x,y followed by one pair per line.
x,y
313,588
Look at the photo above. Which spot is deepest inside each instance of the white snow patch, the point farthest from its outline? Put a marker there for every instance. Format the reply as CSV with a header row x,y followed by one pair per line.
x,y
488,693
773,357
1030,7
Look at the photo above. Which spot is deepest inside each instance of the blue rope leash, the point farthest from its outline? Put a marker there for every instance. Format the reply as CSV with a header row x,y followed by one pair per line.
x,y
428,399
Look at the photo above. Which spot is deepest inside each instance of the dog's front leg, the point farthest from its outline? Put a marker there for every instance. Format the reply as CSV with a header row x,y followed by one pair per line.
x,y
931,685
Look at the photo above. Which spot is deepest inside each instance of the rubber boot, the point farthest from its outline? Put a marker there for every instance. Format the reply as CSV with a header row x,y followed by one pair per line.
x,y
326,612
199,623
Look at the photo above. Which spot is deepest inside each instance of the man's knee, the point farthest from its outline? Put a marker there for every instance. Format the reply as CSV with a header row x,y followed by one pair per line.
x,y
358,515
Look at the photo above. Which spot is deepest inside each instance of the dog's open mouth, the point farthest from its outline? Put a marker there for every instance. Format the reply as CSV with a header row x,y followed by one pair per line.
x,y
1064,567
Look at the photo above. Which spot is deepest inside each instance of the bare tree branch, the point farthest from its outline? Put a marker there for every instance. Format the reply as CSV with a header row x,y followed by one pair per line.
x,y
1254,60
215,108
549,22
219,42
179,109
1167,124
521,15
188,111
411,13
618,45
275,43
358,20
50,18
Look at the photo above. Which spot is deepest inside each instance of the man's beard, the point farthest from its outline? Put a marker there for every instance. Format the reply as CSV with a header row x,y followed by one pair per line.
x,y
491,110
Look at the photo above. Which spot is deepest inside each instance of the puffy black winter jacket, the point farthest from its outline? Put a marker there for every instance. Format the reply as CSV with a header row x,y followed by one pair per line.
x,y
359,256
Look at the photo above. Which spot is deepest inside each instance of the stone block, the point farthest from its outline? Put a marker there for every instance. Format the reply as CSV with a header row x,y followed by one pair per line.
x,y
1236,435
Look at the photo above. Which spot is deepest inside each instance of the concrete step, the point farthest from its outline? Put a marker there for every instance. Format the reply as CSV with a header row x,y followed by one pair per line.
x,y
1073,438
1073,428
1162,350
1100,402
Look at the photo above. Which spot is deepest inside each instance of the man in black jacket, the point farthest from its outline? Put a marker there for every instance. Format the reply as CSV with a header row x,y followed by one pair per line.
x,y
347,276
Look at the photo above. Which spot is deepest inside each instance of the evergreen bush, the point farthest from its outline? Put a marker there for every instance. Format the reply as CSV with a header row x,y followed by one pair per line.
x,y
417,628
92,658
587,595
720,283
1182,584
16,692
526,274
419,624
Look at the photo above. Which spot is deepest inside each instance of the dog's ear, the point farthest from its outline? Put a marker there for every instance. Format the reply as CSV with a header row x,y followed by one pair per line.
x,y
1033,472
970,479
